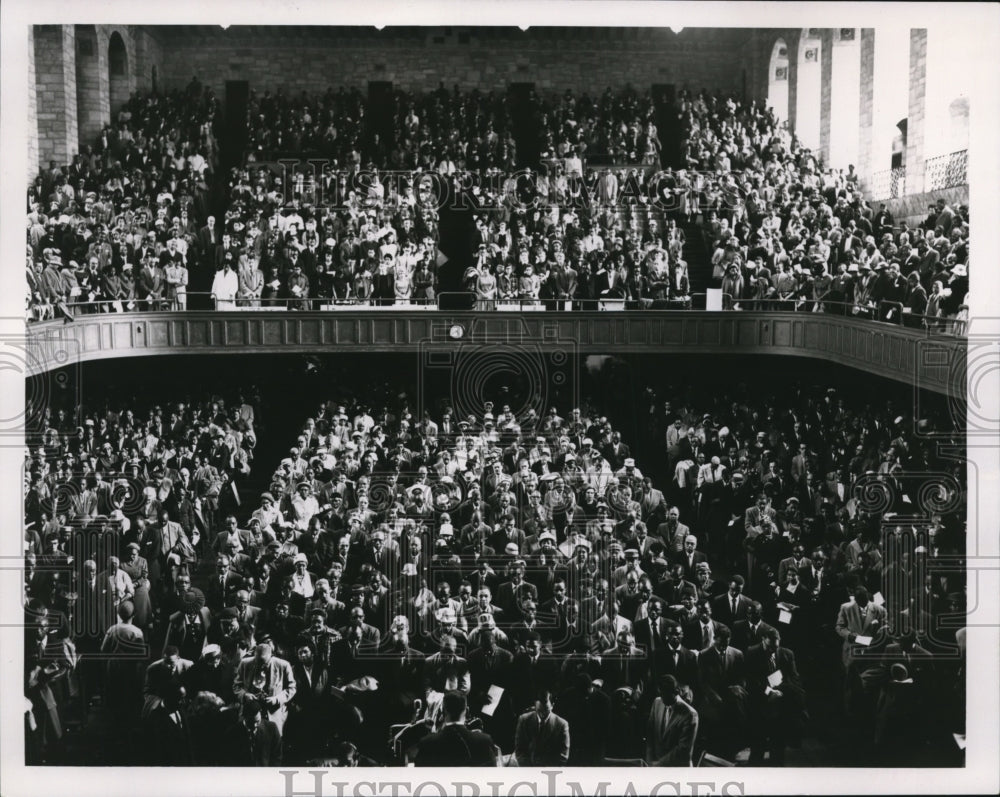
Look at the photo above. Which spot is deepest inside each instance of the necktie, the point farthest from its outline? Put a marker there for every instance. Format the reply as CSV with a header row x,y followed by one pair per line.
x,y
773,663
706,636
734,608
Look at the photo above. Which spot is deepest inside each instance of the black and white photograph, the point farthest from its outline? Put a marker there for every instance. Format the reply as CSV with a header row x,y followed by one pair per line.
x,y
588,389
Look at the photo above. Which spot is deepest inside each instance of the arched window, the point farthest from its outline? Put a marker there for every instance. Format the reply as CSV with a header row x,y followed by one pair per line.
x,y
117,71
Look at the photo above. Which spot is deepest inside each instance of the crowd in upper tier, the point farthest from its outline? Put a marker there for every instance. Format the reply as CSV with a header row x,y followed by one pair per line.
x,y
785,233
145,218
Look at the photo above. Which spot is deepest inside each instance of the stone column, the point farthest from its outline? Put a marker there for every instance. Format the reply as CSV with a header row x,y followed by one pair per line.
x,y
914,159
55,83
866,106
826,94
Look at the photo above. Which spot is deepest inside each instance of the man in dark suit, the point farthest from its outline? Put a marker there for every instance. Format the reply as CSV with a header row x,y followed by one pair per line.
x,y
651,632
512,594
254,741
616,452
168,732
542,737
532,669
676,660
587,709
700,632
689,558
775,698
672,728
455,745
722,676
750,631
731,607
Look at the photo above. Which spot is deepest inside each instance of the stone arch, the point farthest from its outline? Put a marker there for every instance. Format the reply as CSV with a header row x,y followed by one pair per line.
x,y
777,80
92,103
118,70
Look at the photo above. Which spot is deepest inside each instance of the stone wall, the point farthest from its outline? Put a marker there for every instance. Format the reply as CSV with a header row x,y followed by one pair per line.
x,y
55,86
32,110
913,208
592,60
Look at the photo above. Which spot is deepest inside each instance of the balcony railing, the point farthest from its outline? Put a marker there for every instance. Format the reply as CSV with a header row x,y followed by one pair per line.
x,y
889,183
947,171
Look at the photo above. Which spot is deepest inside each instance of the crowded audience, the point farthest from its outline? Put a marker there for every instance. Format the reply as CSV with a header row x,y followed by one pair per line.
x,y
785,233
129,225
617,128
448,588
118,228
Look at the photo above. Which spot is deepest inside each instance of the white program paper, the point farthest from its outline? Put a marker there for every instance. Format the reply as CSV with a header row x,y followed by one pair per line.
x,y
863,640
775,679
495,692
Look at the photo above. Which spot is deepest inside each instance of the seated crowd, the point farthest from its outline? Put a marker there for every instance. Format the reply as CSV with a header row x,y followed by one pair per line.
x,y
441,131
407,574
616,128
113,229
577,258
785,234
127,225
378,244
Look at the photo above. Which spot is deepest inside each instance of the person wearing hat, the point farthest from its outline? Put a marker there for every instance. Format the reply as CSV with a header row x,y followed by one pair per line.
x,y
137,569
189,627
302,579
207,673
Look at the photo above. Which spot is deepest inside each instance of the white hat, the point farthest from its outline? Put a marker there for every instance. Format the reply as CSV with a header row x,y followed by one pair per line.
x,y
629,462
300,557
446,530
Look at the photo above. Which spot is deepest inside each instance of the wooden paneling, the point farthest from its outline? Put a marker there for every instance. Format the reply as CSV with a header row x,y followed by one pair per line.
x,y
903,354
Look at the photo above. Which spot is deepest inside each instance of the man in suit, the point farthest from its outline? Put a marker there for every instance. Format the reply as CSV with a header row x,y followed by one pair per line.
x,y
799,562
775,698
733,606
270,680
651,631
672,531
859,617
542,737
616,452
160,675
672,728
370,635
168,733
455,745
512,594
254,741
690,558
654,505
247,615
750,631
531,670
722,677
189,627
699,633
676,660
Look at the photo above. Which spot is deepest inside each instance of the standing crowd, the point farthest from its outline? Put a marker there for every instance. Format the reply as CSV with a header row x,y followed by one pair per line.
x,y
480,588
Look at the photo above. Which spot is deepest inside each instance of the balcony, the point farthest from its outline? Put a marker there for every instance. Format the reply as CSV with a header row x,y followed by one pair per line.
x,y
928,361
